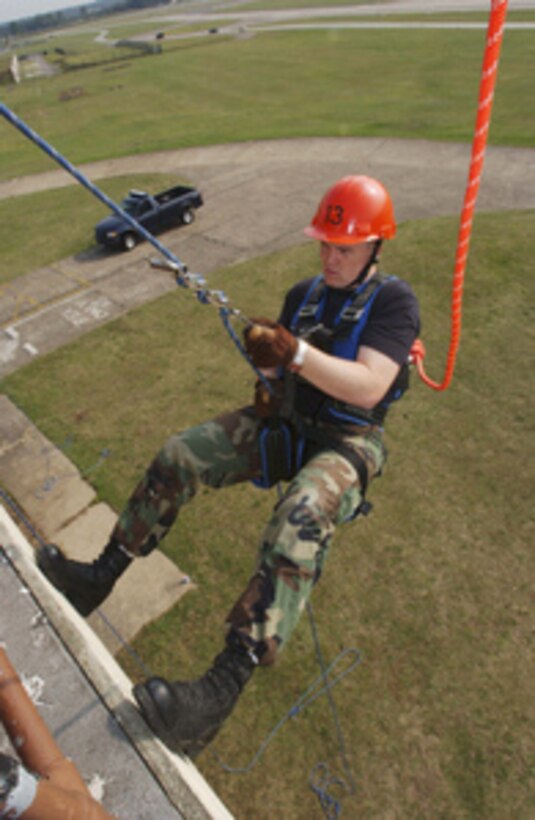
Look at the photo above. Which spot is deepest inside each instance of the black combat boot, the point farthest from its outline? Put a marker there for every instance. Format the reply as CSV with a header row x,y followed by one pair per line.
x,y
188,715
84,585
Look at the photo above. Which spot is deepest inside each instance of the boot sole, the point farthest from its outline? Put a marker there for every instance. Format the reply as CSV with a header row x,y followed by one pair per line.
x,y
152,717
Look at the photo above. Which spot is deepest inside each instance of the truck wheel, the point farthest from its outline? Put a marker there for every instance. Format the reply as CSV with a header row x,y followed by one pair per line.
x,y
129,242
187,217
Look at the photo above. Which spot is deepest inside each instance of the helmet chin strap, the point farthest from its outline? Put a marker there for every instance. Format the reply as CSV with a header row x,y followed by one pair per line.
x,y
374,257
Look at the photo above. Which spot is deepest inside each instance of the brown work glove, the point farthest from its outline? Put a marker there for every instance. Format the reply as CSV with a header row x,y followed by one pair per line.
x,y
269,344
265,403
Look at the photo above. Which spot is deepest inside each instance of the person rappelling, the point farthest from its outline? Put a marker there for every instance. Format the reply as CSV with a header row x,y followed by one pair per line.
x,y
334,361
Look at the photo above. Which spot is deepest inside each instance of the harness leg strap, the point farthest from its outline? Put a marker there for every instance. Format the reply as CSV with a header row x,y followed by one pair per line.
x,y
354,458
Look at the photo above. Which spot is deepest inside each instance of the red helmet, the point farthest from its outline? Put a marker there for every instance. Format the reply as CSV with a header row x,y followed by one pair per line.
x,y
356,209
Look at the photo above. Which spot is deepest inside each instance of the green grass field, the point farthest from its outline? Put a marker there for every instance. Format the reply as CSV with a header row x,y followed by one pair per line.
x,y
330,83
434,587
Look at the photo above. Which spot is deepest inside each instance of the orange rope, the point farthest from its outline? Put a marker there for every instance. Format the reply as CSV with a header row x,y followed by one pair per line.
x,y
486,96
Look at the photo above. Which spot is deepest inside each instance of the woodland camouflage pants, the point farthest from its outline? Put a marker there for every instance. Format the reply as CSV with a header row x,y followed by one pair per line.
x,y
296,540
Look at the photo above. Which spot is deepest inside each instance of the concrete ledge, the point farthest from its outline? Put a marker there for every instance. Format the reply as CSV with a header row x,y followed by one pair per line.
x,y
181,781
45,483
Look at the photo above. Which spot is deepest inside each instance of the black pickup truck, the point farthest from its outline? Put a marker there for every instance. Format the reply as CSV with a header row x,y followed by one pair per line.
x,y
173,207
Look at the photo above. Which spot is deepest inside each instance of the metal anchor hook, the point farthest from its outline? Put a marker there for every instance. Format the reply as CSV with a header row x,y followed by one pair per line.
x,y
197,282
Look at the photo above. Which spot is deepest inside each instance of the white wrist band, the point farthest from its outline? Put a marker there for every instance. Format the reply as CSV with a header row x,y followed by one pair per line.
x,y
299,359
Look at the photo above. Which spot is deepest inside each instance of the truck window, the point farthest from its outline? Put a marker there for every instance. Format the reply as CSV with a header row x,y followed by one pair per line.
x,y
144,208
136,205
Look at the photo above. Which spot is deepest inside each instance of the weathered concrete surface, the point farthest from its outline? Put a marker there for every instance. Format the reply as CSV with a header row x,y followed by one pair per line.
x,y
72,709
44,482
85,699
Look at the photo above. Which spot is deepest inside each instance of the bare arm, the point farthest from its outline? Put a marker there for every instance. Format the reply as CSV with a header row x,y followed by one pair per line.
x,y
363,382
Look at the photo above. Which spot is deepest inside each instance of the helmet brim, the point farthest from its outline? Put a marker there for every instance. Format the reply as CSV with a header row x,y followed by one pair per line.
x,y
324,236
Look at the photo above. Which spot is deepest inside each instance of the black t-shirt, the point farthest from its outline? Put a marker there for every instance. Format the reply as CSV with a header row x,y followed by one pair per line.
x,y
393,323
392,326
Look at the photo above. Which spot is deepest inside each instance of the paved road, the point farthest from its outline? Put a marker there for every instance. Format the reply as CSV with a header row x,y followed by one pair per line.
x,y
247,23
258,198
366,10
